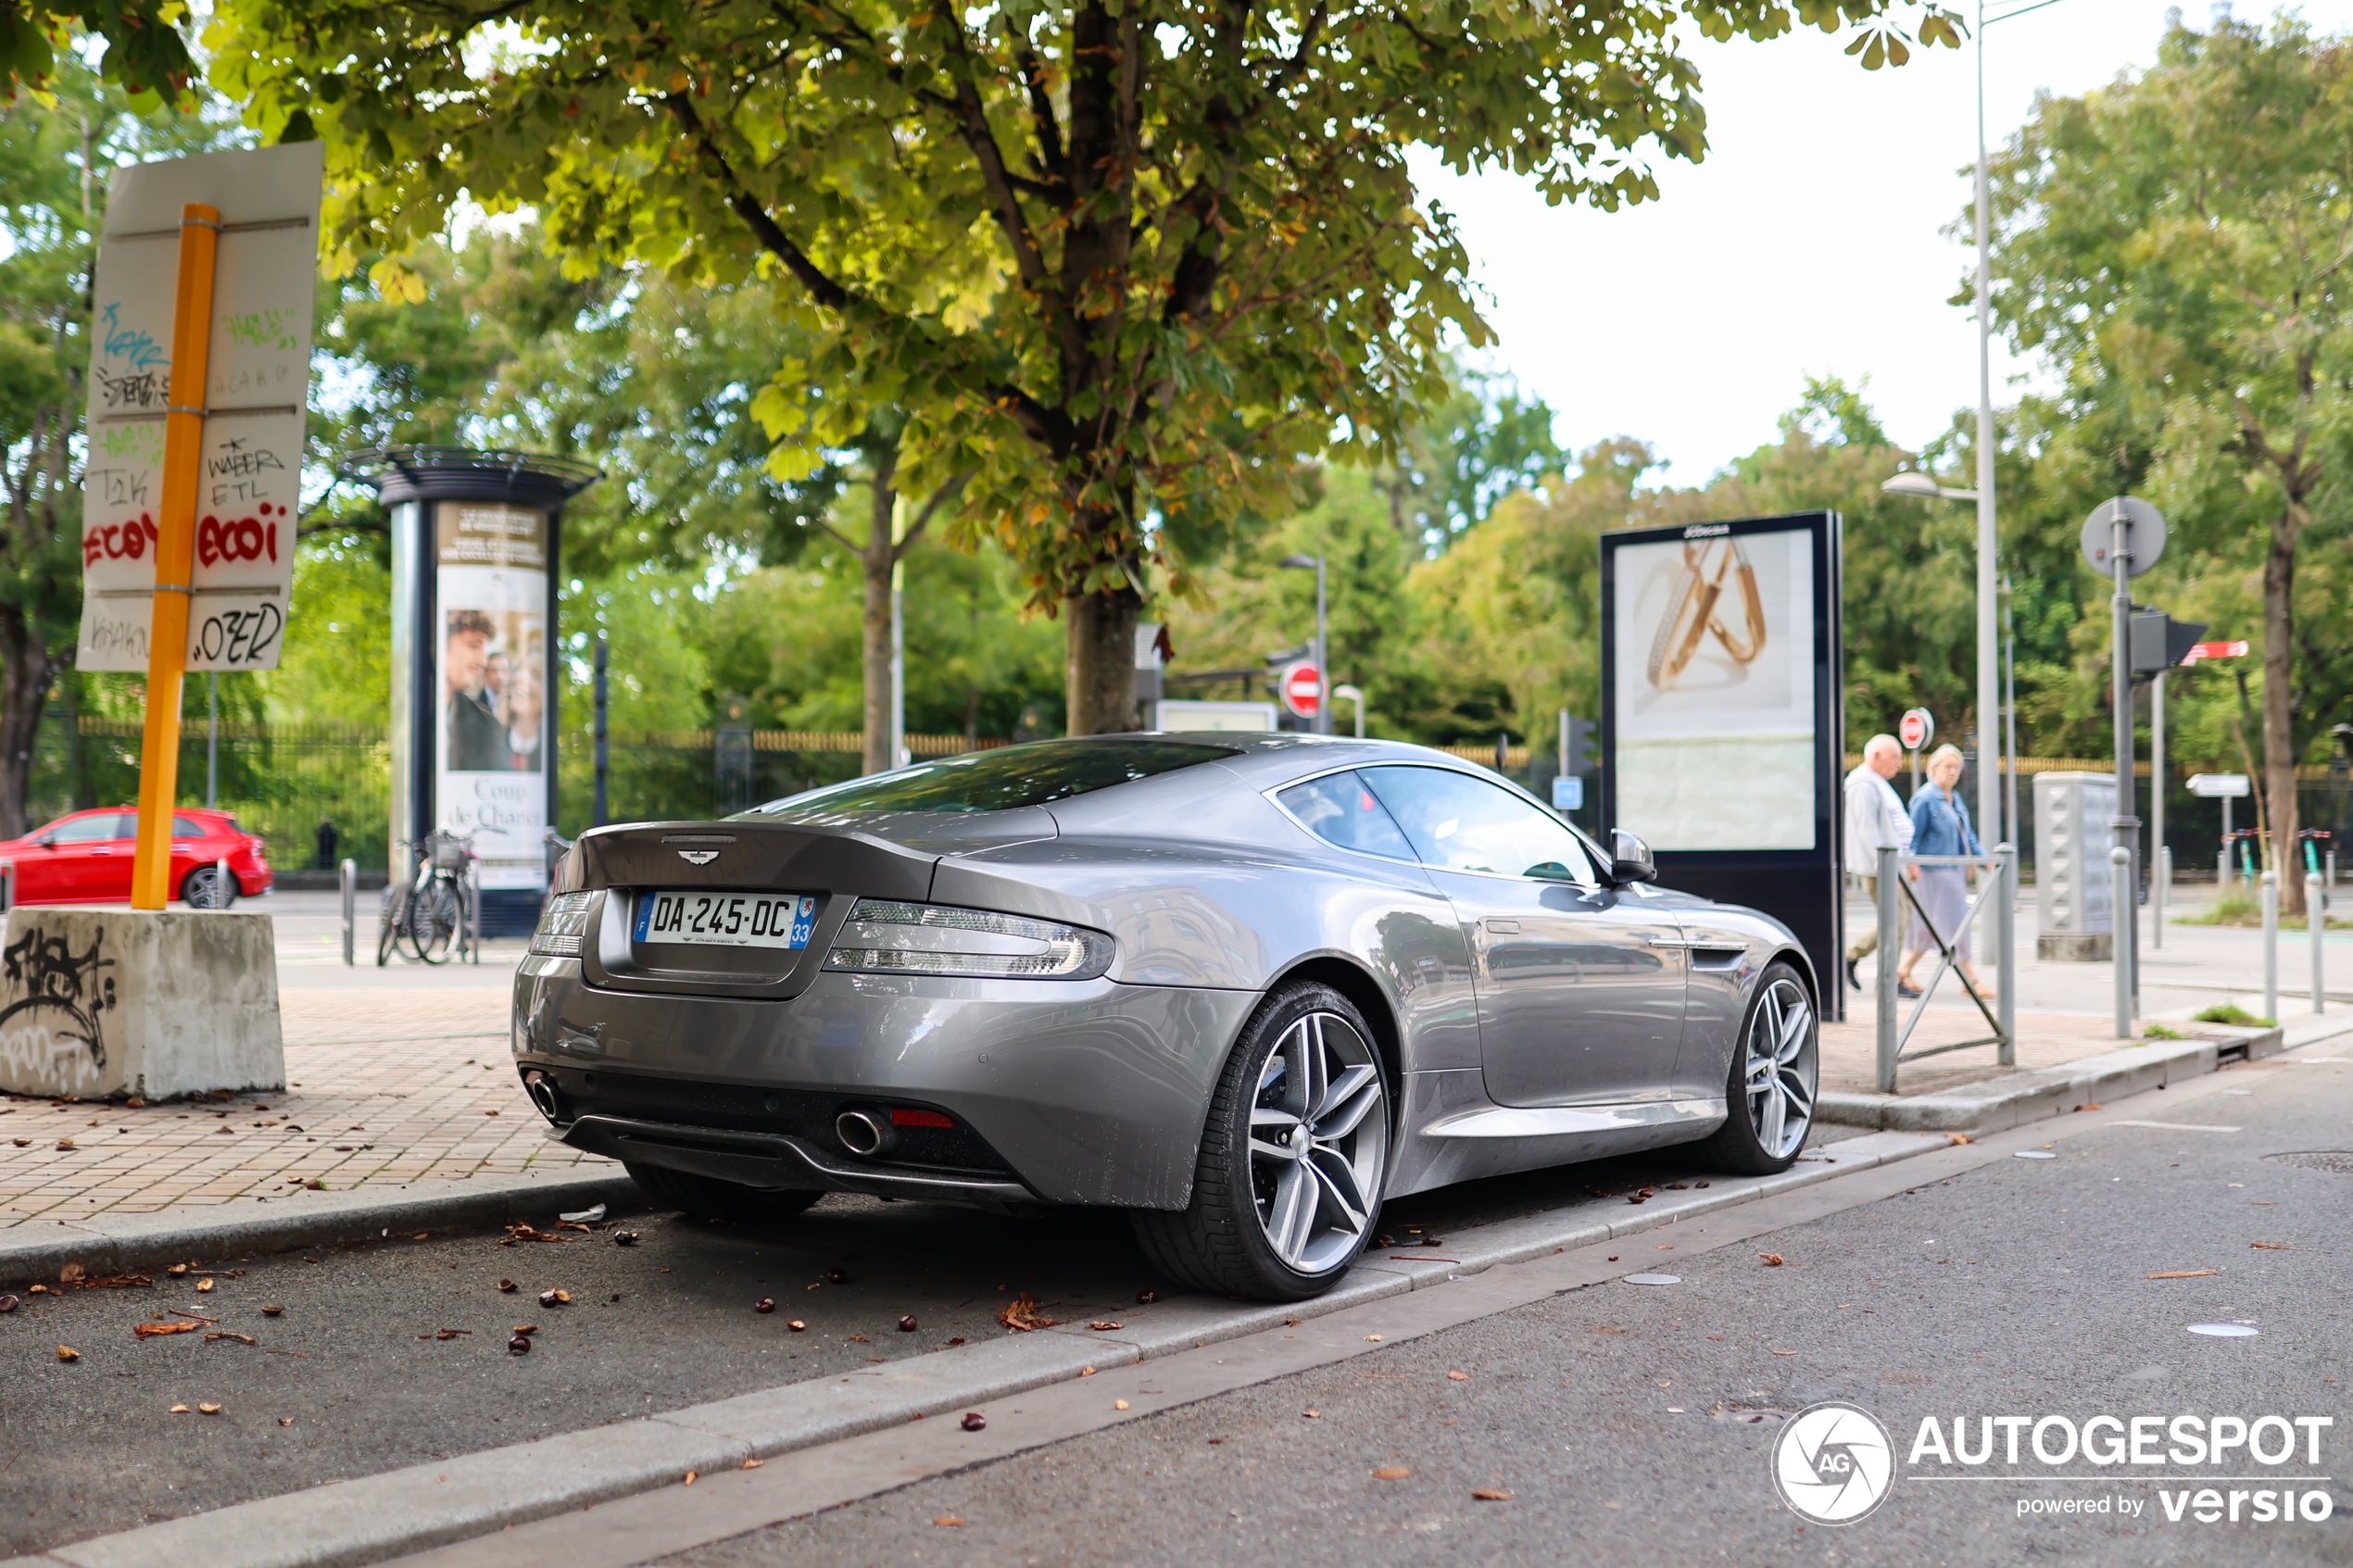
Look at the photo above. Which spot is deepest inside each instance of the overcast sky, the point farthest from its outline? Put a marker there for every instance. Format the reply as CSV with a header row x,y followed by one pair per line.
x,y
1809,242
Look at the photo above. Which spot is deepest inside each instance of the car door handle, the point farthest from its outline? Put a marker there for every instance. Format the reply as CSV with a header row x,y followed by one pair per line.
x,y
1503,927
1673,941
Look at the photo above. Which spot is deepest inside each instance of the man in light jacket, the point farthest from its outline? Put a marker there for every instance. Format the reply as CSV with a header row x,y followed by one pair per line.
x,y
1875,819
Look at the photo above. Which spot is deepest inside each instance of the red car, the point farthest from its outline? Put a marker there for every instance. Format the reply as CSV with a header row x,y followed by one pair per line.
x,y
85,858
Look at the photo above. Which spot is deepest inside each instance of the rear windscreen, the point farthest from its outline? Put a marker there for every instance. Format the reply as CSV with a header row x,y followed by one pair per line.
x,y
1004,780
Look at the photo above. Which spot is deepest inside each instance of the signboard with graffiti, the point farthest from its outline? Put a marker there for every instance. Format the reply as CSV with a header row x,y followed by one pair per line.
x,y
248,493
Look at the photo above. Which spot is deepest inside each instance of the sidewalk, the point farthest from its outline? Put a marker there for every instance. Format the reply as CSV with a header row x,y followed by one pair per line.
x,y
388,1084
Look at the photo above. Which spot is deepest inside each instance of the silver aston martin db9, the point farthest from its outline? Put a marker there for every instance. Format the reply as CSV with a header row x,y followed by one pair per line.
x,y
1242,987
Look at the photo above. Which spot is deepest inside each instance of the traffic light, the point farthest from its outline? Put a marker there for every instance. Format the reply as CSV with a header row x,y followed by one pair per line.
x,y
1578,756
2160,642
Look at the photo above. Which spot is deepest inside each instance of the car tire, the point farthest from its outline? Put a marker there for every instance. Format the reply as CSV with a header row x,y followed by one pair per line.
x,y
1775,1076
707,1198
196,889
1280,1216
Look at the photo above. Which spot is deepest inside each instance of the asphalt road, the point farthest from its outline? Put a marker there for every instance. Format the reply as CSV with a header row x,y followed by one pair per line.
x,y
352,1378
1634,1424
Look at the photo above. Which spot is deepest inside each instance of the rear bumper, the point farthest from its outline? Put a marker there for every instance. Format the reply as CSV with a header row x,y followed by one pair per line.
x,y
775,1160
1085,1092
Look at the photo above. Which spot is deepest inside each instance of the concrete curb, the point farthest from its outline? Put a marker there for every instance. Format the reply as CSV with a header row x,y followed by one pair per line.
x,y
371,1519
106,1243
2002,1103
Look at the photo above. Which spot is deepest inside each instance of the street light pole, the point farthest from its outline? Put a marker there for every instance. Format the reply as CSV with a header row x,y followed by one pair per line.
x,y
1989,690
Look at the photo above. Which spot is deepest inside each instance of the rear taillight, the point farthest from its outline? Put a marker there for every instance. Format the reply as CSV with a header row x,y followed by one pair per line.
x,y
882,936
561,925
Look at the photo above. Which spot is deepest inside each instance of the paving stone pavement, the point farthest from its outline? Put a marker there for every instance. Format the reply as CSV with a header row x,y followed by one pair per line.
x,y
383,1087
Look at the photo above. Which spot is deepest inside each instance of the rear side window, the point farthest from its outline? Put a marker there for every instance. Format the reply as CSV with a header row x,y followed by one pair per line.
x,y
96,828
188,827
1005,780
1339,809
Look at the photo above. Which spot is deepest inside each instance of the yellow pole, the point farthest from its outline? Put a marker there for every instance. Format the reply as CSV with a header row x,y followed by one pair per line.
x,y
175,555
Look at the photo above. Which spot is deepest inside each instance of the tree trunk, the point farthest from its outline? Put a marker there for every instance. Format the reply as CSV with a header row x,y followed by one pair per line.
x,y
24,688
1099,641
877,560
2279,717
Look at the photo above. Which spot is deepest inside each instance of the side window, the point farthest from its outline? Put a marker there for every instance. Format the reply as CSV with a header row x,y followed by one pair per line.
x,y
187,827
1340,810
1467,825
96,828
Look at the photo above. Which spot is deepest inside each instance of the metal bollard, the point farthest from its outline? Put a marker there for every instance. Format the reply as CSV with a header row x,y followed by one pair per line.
x,y
221,883
2006,952
2271,943
2316,920
2158,885
1890,941
474,913
2222,871
2122,916
7,886
348,876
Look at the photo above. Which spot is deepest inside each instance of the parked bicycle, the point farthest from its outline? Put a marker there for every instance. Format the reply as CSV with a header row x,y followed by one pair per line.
x,y
429,910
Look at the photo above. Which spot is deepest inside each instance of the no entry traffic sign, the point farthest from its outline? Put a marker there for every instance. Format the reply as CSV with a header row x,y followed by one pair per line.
x,y
1917,728
1301,688
2217,650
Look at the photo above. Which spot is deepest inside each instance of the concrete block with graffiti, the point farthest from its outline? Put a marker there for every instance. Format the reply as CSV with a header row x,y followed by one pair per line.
x,y
153,1003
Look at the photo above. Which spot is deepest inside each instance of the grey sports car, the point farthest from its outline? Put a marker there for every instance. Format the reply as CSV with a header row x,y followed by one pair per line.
x,y
1244,986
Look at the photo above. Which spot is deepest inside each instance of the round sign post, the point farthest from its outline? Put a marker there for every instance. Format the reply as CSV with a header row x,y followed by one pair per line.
x,y
2123,538
1301,686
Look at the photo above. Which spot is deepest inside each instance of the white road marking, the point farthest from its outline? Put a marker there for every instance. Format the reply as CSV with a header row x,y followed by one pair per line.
x,y
2179,1126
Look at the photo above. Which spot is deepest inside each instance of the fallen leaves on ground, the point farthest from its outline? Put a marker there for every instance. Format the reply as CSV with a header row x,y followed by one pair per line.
x,y
207,1410
177,1409
1391,1473
1961,1137
1459,1377
2184,1274
1311,1416
68,1143
1605,1328
114,1282
2271,1245
250,1339
204,1284
271,1311
1105,1326
691,1473
155,1330
1146,1297
948,1521
1021,1315
555,1298
68,1353
1772,1260
527,1233
1119,1404
1492,1494
70,1274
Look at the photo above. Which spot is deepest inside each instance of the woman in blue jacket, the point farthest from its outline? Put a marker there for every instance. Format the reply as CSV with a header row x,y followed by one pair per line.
x,y
1941,826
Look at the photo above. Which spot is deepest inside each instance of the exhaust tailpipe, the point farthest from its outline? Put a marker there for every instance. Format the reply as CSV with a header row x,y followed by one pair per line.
x,y
866,1132
542,1095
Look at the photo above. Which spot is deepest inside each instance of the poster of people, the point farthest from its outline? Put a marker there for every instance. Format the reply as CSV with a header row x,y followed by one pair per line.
x,y
492,593
1714,690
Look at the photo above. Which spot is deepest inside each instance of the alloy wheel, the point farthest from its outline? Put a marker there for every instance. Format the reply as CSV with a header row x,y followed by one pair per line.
x,y
1318,1142
1777,1081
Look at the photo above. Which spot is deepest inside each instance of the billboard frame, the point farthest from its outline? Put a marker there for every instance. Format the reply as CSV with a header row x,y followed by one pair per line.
x,y
1801,888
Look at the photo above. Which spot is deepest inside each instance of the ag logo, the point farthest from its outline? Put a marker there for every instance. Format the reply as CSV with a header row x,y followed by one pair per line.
x,y
1832,1464
698,857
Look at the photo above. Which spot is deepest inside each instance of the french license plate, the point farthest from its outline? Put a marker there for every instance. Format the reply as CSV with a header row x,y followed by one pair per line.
x,y
727,920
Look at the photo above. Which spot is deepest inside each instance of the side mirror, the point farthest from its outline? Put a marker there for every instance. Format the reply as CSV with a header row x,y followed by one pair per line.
x,y
1631,858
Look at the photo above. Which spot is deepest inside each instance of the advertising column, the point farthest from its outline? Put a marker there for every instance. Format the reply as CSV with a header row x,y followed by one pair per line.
x,y
1721,714
492,745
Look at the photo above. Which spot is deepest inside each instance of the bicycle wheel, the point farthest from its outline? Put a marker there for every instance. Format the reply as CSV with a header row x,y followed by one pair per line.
x,y
390,923
432,920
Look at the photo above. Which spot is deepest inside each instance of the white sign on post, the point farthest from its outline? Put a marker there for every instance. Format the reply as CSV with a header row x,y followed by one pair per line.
x,y
248,494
